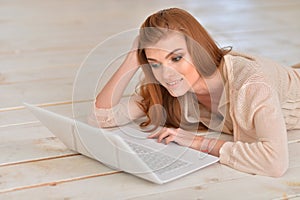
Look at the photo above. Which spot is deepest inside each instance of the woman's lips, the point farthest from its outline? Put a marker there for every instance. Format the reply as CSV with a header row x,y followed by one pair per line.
x,y
174,83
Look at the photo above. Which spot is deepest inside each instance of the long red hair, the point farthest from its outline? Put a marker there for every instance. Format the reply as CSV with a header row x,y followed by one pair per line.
x,y
160,107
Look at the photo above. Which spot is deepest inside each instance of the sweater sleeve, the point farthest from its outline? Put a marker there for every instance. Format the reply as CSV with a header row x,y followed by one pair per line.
x,y
257,107
121,114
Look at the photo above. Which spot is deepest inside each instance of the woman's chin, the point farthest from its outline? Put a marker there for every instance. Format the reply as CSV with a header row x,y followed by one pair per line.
x,y
176,93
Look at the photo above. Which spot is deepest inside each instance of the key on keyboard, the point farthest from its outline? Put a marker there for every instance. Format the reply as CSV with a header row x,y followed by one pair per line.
x,y
157,161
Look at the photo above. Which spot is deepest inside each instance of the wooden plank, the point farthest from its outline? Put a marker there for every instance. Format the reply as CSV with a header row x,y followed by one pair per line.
x,y
54,91
250,187
31,85
255,42
64,29
38,66
294,157
187,188
38,74
20,115
138,189
30,131
13,63
50,172
202,184
28,150
31,140
126,185
294,136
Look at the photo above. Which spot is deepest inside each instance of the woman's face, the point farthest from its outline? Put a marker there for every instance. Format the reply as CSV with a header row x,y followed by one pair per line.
x,y
172,66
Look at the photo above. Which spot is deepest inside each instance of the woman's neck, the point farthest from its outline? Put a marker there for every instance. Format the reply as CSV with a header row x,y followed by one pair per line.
x,y
215,87
205,100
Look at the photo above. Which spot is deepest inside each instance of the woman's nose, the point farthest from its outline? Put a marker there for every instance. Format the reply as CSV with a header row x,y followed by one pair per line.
x,y
168,72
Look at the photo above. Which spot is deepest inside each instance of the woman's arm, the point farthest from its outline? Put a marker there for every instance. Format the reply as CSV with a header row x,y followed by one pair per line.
x,y
259,107
189,139
110,108
112,92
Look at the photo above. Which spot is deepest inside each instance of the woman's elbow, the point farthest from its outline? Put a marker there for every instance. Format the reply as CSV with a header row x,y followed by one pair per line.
x,y
100,122
278,171
277,167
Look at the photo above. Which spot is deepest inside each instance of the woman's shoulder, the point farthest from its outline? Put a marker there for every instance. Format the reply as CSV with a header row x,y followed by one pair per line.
x,y
237,54
241,68
236,60
244,68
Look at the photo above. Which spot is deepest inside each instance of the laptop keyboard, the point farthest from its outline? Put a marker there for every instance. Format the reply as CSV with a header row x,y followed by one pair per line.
x,y
157,161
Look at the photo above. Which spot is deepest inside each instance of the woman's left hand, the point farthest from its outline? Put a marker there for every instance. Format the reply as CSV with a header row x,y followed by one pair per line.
x,y
180,136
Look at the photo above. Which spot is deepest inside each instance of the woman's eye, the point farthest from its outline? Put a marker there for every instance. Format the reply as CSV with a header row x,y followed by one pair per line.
x,y
154,65
177,58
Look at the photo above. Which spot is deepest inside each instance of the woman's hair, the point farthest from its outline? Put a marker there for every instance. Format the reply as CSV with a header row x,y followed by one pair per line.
x,y
158,104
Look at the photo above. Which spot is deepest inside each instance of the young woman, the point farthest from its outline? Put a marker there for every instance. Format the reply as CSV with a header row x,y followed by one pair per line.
x,y
190,83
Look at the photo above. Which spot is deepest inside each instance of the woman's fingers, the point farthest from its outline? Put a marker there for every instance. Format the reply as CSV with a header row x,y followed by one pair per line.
x,y
181,137
170,138
166,134
153,135
156,134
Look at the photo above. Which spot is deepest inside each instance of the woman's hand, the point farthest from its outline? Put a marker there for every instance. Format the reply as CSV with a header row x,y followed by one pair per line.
x,y
180,136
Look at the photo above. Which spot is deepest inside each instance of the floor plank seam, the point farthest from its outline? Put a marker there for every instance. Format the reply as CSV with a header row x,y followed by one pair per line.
x,y
285,197
58,103
34,81
55,183
39,159
20,124
84,48
294,141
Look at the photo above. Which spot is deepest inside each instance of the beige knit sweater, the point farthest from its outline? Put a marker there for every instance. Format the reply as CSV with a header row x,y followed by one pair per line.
x,y
264,104
261,101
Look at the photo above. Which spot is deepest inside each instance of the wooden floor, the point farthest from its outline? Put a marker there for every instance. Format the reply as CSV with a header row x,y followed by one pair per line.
x,y
42,45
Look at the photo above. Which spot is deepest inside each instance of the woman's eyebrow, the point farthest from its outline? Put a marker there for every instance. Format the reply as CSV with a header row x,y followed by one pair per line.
x,y
172,52
169,54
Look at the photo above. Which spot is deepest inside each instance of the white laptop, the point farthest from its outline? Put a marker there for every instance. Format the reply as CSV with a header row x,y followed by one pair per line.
x,y
125,148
